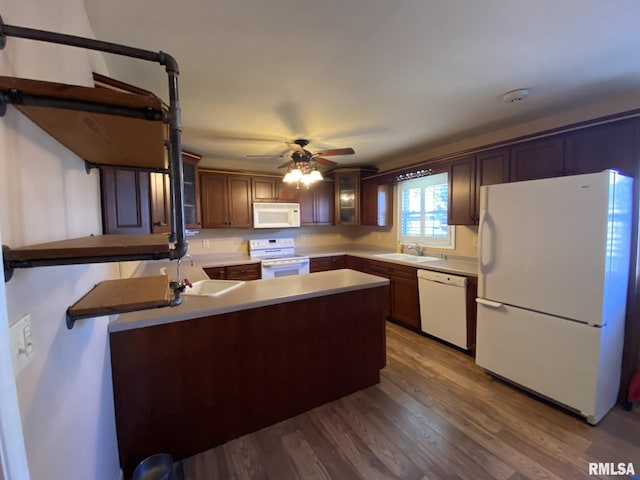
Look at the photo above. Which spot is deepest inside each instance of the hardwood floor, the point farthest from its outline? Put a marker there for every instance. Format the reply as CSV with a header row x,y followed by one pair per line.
x,y
434,415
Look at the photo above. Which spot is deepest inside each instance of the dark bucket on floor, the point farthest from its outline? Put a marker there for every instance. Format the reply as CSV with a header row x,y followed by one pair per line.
x,y
157,467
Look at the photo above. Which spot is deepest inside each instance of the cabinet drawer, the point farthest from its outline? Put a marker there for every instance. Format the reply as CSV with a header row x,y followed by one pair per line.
x,y
215,273
404,272
249,271
338,262
320,264
389,269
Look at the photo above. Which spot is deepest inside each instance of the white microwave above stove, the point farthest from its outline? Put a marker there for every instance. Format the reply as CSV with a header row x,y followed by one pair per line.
x,y
276,215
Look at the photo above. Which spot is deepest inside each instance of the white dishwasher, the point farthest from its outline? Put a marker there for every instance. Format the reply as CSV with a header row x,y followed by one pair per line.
x,y
443,306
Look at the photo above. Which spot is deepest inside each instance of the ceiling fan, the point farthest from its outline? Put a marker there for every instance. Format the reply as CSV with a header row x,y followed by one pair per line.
x,y
302,157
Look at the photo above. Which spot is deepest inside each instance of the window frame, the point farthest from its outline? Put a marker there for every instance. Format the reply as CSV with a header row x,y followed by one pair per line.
x,y
424,240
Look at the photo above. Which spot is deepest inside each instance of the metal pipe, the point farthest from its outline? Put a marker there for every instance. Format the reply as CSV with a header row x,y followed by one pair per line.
x,y
50,262
16,97
80,42
103,166
175,159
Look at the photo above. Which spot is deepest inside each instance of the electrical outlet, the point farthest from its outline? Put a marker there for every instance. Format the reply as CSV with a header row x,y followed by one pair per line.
x,y
205,243
474,241
21,344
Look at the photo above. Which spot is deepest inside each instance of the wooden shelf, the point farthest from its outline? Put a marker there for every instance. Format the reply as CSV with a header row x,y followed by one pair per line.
x,y
100,138
93,246
123,295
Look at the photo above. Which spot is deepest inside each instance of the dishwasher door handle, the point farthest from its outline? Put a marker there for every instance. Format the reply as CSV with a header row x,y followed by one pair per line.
x,y
443,283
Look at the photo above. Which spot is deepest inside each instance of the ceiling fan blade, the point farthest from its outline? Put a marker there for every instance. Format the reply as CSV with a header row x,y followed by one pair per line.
x,y
285,164
324,161
336,151
295,147
265,156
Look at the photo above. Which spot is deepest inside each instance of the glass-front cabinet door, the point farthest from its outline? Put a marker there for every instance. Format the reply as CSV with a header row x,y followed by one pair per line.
x,y
191,189
347,186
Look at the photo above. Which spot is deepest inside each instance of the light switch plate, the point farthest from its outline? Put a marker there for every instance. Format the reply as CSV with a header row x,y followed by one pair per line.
x,y
21,344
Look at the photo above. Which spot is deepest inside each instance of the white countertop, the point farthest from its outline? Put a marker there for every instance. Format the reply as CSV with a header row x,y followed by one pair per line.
x,y
252,294
467,266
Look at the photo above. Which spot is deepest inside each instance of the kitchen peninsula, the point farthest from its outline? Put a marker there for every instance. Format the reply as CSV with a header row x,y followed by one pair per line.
x,y
194,376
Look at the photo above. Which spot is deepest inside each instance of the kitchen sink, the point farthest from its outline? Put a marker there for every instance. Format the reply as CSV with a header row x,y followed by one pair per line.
x,y
212,288
406,257
397,256
425,259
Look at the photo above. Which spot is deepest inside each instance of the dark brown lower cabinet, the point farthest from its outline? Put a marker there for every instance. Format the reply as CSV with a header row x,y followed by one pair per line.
x,y
216,273
402,301
322,264
472,313
248,271
185,387
405,303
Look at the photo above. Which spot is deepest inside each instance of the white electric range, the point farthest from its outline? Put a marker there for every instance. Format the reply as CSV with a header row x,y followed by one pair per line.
x,y
278,258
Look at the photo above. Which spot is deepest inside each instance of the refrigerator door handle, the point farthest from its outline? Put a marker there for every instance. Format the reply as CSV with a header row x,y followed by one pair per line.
x,y
481,224
484,227
489,303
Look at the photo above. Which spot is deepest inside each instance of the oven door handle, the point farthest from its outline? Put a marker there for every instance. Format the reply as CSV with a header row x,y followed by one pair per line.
x,y
287,264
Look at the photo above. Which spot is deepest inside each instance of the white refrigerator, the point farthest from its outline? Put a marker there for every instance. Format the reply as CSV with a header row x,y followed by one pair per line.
x,y
552,286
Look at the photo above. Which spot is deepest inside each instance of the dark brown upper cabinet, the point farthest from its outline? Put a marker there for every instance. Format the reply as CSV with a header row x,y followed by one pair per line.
x,y
467,175
536,159
225,200
347,197
125,201
316,204
265,189
597,148
375,203
140,202
272,189
462,192
191,189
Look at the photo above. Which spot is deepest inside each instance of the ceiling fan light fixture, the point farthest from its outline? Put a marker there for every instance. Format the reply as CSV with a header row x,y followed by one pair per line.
x,y
315,175
296,174
305,174
306,179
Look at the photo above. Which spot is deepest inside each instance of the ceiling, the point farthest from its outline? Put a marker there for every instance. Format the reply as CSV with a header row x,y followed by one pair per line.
x,y
385,77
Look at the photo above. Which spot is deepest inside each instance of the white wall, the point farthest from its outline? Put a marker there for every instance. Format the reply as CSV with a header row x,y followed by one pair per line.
x,y
65,394
578,114
13,460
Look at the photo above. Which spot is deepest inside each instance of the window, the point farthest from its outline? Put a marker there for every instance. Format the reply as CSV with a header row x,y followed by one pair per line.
x,y
422,208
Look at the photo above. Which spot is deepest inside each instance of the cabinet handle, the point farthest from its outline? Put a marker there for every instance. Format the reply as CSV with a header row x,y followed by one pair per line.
x,y
159,224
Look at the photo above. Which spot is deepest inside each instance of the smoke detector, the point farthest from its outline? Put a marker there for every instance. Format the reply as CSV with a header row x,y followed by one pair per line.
x,y
515,96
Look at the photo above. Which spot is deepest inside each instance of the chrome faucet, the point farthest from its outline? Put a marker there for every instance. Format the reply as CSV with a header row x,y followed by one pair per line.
x,y
418,249
180,279
180,283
